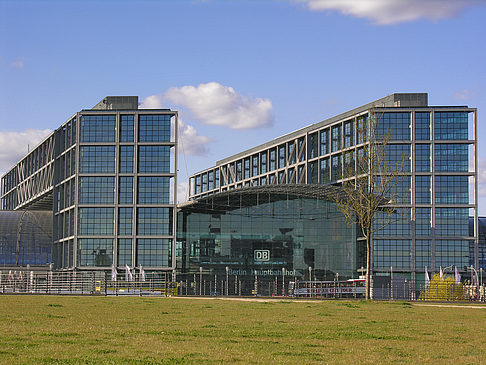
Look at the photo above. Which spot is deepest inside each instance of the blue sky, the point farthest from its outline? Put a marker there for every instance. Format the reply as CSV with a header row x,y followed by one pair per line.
x,y
267,67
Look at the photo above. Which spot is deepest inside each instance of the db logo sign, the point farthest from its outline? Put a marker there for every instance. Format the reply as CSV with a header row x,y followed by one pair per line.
x,y
261,255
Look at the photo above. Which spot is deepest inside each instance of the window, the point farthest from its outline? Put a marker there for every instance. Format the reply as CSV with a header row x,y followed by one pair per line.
x,y
96,190
95,252
300,149
263,162
97,128
211,180
325,171
291,153
281,156
422,254
125,252
422,221
312,146
349,164
422,189
398,157
451,222
451,157
153,159
126,190
362,123
313,173
398,224
451,190
154,128
126,128
401,191
125,216
397,125
336,143
152,252
204,183
336,168
254,166
422,126
197,184
272,159
239,170
153,190
422,157
97,159
154,221
451,252
349,133
451,125
216,178
126,159
246,168
394,253
96,221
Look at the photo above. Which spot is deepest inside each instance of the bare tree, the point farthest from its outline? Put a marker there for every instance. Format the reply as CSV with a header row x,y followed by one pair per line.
x,y
369,182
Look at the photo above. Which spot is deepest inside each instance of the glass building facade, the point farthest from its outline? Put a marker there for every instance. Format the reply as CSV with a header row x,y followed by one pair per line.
x,y
109,176
266,232
25,238
436,148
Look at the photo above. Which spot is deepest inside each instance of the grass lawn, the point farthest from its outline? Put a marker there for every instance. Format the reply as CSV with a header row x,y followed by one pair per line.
x,y
133,330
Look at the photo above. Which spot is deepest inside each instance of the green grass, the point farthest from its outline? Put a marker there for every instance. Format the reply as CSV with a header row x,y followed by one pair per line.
x,y
133,330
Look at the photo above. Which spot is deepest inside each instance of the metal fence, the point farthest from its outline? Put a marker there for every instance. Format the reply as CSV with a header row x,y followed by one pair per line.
x,y
85,283
162,284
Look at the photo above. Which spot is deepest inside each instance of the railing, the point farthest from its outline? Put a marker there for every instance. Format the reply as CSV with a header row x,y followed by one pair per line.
x,y
160,284
83,283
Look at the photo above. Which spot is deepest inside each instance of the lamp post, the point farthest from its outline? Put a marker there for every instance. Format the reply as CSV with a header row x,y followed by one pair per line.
x,y
200,280
227,280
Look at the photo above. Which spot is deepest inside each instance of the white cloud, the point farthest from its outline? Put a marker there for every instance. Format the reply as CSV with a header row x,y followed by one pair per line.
x,y
190,142
387,12
17,64
182,192
14,145
463,94
216,104
152,102
482,177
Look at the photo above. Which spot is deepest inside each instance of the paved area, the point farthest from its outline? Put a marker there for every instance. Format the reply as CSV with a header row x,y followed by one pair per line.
x,y
478,306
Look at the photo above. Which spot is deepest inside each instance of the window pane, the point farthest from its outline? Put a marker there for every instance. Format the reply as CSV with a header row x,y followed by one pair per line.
x,y
154,128
125,252
451,190
125,216
451,125
154,221
97,159
396,125
153,190
153,159
97,128
422,126
96,221
422,157
451,157
154,252
126,190
126,159
126,128
96,190
95,252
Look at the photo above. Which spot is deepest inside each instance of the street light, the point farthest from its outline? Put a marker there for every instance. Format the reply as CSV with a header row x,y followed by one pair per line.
x,y
227,280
